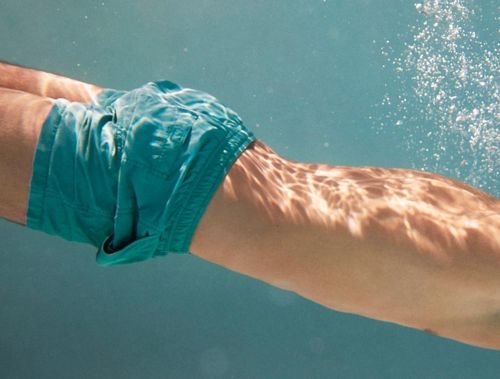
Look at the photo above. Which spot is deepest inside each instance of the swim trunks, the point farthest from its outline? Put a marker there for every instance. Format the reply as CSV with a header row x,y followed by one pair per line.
x,y
133,172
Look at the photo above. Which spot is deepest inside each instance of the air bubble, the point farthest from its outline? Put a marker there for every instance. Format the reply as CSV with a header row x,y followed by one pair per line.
x,y
448,94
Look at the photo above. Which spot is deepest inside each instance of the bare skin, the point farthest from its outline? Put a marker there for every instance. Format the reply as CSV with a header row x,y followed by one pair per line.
x,y
403,246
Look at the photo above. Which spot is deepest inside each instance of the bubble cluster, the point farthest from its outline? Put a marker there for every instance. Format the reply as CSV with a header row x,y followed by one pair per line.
x,y
448,96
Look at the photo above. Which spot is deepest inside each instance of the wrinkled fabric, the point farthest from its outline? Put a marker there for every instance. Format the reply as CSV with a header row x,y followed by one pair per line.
x,y
133,172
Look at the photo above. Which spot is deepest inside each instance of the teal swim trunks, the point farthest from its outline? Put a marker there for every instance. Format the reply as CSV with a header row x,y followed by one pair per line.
x,y
133,172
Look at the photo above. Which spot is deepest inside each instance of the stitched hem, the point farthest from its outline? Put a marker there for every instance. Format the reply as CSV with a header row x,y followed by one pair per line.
x,y
41,165
180,231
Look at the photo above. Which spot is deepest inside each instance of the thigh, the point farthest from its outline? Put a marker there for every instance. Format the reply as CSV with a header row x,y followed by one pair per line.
x,y
46,84
21,118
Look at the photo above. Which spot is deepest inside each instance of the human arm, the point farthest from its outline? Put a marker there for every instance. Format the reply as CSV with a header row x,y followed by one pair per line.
x,y
46,84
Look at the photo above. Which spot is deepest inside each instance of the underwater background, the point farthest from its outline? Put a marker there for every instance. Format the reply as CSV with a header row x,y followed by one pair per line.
x,y
361,82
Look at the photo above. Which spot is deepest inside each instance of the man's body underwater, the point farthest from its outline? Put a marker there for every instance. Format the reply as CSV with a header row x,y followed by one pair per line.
x,y
404,246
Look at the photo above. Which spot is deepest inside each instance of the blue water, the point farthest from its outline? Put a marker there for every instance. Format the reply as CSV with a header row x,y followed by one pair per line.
x,y
319,81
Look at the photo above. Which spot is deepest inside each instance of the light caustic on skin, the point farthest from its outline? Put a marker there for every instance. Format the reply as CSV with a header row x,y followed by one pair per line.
x,y
404,246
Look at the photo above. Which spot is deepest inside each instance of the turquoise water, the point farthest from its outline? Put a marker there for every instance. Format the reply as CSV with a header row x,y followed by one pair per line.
x,y
319,81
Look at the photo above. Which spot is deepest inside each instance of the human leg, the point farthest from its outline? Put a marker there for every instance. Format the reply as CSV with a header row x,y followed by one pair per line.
x,y
397,245
132,172
21,118
46,84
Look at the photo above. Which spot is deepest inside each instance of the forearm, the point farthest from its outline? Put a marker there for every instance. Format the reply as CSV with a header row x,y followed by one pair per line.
x,y
45,84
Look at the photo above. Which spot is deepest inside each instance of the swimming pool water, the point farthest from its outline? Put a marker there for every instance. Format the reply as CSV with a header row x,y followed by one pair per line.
x,y
337,82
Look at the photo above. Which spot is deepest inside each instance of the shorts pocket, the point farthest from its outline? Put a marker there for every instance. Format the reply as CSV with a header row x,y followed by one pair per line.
x,y
158,144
